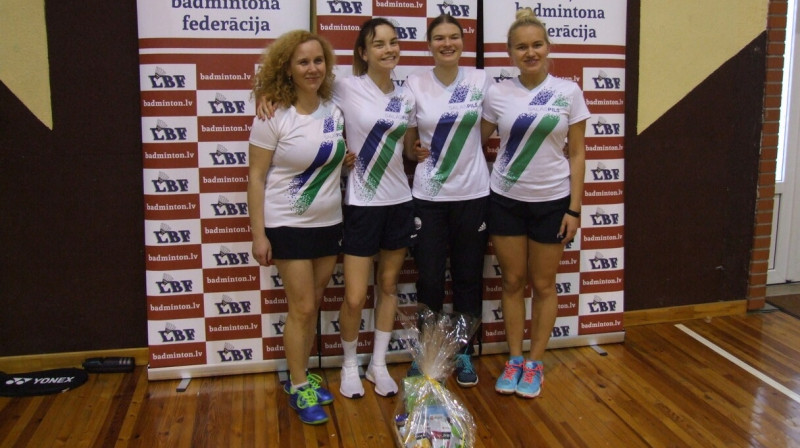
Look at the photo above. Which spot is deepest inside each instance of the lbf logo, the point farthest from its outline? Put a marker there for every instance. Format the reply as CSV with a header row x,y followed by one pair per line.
x,y
231,353
396,344
278,326
602,173
337,328
165,235
166,185
452,9
601,218
168,285
162,132
277,281
224,207
222,157
171,333
227,258
603,127
598,305
337,278
604,82
563,288
504,74
498,313
406,298
600,262
344,7
230,306
406,32
221,105
560,332
161,80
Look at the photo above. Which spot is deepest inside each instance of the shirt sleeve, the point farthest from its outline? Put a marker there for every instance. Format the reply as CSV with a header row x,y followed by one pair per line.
x,y
264,133
579,111
489,108
412,113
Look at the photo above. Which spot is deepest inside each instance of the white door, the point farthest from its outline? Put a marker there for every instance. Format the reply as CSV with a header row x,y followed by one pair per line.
x,y
785,249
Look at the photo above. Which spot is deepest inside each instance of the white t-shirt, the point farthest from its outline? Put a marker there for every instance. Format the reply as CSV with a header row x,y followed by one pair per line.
x,y
303,181
375,125
533,127
448,120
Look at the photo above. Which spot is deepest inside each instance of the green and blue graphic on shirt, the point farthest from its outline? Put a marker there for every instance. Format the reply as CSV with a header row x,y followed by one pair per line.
x,y
306,185
520,150
446,129
378,149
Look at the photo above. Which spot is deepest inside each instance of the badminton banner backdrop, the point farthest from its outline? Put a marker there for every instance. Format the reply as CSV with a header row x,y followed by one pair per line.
x,y
211,309
588,47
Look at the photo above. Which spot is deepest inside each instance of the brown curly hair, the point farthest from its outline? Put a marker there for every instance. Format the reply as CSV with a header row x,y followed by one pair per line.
x,y
272,81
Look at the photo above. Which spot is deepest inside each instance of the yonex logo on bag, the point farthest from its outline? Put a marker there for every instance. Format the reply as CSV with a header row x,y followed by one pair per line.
x,y
18,381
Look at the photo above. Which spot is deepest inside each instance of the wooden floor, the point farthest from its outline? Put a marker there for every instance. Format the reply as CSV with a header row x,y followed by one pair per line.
x,y
660,388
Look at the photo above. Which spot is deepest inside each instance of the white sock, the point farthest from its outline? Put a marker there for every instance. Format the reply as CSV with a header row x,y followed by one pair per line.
x,y
298,386
380,346
350,349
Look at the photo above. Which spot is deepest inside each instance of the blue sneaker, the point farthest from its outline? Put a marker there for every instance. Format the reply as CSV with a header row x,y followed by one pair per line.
x,y
507,383
530,385
465,374
324,396
304,401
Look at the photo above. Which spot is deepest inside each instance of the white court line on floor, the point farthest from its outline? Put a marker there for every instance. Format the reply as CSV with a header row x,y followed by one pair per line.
x,y
751,370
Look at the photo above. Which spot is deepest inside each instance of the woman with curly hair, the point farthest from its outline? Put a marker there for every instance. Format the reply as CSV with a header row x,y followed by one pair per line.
x,y
294,197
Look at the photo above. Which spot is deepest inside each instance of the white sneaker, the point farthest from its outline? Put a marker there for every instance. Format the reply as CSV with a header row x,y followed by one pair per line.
x,y
350,384
384,384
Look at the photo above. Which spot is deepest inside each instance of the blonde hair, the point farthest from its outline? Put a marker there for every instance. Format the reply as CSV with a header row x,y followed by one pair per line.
x,y
272,81
526,17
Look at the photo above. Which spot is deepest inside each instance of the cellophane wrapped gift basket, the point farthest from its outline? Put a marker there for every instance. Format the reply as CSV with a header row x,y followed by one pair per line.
x,y
428,415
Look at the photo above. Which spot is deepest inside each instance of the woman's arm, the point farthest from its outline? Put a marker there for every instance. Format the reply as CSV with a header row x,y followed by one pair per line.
x,y
487,129
576,148
260,160
412,148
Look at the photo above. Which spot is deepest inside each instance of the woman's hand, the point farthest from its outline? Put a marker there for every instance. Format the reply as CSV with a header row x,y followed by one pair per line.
x,y
265,109
569,228
420,153
262,251
349,159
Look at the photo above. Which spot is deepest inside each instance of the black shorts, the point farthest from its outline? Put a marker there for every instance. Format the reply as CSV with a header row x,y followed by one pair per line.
x,y
304,243
368,230
540,221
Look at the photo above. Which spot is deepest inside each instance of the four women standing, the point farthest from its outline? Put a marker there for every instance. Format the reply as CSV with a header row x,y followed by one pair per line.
x,y
533,210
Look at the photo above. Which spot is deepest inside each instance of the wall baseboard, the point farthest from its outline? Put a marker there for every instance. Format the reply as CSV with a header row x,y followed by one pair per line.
x,y
27,363
684,313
